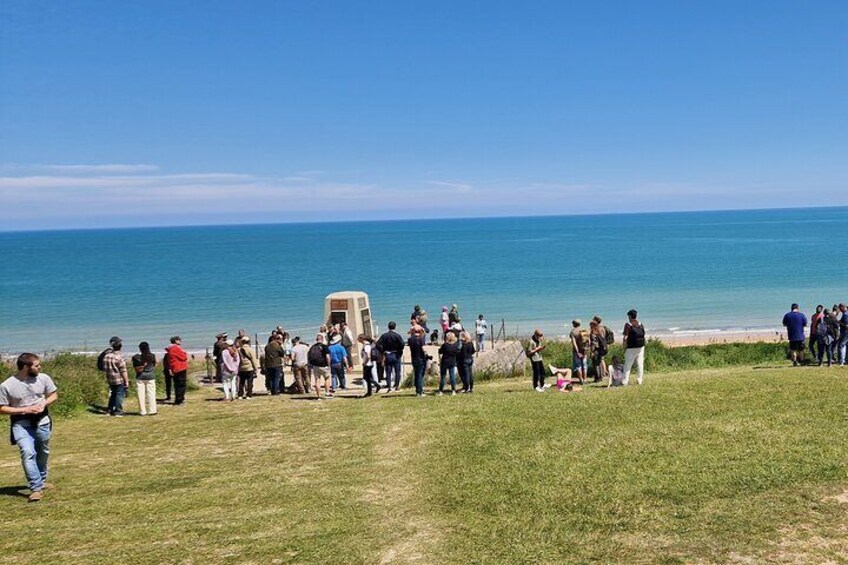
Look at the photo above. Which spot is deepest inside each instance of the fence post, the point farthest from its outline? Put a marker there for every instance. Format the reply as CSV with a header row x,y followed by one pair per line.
x,y
208,366
256,342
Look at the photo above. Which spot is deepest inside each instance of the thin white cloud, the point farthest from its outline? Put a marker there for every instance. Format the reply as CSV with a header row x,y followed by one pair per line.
x,y
116,168
457,186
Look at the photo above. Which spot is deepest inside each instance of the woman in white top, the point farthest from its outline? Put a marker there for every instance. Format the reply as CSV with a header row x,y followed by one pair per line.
x,y
229,370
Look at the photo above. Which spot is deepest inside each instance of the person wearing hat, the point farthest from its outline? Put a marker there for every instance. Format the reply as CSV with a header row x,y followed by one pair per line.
x,y
248,368
580,342
230,360
339,358
217,351
117,378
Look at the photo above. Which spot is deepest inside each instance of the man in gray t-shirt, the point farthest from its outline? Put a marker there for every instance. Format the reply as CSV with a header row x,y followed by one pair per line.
x,y
25,397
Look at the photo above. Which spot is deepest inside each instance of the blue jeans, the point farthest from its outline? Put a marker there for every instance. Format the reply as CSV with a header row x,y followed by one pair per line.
x,y
337,371
116,398
418,368
481,338
393,367
444,370
468,373
824,349
34,443
274,375
842,345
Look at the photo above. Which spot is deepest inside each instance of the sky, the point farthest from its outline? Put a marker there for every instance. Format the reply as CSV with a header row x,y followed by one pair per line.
x,y
148,113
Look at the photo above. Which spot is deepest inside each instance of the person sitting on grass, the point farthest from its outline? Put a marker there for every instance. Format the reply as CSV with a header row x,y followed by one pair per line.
x,y
616,372
564,382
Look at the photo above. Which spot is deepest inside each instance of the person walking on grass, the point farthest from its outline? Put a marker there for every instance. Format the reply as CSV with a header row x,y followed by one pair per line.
x,y
369,374
466,361
144,364
25,397
116,377
534,352
795,322
391,346
634,348
448,353
178,363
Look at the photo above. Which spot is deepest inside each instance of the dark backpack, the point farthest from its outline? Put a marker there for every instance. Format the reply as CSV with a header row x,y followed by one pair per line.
x,y
101,359
375,353
316,356
636,336
346,342
609,336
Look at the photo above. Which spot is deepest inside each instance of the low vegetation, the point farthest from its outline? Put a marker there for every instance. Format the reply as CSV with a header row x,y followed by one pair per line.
x,y
736,465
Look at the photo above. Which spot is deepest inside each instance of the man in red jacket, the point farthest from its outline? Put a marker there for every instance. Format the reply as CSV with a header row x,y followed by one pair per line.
x,y
178,365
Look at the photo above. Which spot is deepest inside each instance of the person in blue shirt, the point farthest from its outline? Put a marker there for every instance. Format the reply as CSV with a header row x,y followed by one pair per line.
x,y
338,359
795,322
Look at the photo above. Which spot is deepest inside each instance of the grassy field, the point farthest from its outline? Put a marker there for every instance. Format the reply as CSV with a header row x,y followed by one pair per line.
x,y
743,465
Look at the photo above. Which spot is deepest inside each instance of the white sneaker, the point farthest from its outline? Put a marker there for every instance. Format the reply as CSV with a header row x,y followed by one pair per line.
x,y
439,393
539,389
547,386
453,393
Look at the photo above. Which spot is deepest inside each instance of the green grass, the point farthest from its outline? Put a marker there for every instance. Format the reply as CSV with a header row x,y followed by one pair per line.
x,y
741,465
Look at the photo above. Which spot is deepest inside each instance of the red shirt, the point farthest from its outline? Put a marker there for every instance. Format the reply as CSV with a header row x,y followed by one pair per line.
x,y
177,358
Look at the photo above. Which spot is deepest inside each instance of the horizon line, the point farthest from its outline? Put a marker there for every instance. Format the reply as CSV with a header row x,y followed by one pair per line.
x,y
425,219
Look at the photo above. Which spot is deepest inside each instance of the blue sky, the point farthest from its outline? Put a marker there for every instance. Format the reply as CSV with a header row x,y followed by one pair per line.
x,y
169,113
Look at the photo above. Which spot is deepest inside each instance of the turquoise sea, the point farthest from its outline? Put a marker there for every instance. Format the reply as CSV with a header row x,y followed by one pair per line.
x,y
683,271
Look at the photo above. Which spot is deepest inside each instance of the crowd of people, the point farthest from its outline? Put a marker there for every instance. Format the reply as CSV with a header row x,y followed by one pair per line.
x,y
828,338
589,350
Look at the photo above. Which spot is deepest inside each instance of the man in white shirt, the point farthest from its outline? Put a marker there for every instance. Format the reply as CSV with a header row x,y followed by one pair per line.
x,y
481,327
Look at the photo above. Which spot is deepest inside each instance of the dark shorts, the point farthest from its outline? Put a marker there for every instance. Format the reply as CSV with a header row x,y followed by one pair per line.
x,y
796,345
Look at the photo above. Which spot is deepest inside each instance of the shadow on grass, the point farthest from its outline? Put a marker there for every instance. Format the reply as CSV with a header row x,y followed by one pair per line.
x,y
98,409
14,491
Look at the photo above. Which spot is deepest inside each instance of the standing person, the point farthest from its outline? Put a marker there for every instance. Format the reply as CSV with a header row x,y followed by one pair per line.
x,y
609,335
795,322
842,344
814,323
826,337
453,315
339,358
466,361
580,342
444,321
598,349
144,363
25,397
368,372
534,352
419,359
217,350
634,348
448,353
116,377
275,355
248,368
319,360
178,362
391,345
169,378
347,340
229,370
299,354
481,327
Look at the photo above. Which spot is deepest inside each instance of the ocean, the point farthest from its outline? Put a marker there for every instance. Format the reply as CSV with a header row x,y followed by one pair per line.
x,y
684,272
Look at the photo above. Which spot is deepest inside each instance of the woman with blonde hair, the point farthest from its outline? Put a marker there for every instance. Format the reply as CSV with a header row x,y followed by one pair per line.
x,y
448,353
466,361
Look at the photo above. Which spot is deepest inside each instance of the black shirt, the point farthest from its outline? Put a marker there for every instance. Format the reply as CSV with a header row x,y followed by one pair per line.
x,y
466,352
391,342
416,348
448,351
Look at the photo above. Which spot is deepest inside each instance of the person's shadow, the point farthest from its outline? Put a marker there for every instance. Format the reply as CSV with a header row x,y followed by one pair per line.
x,y
98,409
14,491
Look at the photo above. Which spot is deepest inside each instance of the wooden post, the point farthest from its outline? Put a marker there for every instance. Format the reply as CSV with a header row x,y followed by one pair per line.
x,y
209,366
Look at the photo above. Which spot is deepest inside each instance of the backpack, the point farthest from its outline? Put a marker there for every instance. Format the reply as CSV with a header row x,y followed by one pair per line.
x,y
101,359
636,336
609,336
316,356
346,342
375,353
584,341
